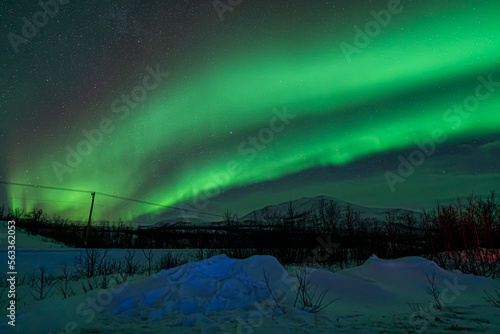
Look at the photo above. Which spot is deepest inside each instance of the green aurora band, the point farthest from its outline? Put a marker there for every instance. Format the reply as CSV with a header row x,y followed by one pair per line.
x,y
413,74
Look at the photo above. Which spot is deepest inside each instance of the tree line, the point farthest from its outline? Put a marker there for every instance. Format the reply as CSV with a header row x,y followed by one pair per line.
x,y
450,234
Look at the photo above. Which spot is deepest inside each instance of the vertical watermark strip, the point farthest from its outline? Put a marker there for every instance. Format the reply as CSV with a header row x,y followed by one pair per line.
x,y
11,272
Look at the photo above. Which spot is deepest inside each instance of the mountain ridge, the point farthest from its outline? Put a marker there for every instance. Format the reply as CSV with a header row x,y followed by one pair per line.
x,y
301,206
312,205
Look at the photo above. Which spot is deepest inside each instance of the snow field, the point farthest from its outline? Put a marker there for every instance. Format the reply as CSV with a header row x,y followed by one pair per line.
x,y
257,295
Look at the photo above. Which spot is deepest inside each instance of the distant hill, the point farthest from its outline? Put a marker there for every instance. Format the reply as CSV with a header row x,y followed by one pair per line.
x,y
301,206
312,205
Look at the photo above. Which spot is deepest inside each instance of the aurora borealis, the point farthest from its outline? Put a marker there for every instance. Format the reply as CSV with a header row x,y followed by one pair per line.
x,y
164,102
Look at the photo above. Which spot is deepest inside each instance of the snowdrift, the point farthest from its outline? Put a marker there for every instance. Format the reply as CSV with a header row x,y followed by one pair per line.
x,y
224,295
213,285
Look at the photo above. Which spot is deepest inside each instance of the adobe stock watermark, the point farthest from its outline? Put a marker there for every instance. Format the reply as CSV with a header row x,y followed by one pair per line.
x,y
31,27
423,316
225,6
455,116
120,107
249,149
372,29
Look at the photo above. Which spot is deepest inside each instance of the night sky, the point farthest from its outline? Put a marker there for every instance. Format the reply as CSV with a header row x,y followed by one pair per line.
x,y
244,105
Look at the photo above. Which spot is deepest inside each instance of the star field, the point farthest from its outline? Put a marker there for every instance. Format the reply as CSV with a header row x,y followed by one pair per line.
x,y
166,102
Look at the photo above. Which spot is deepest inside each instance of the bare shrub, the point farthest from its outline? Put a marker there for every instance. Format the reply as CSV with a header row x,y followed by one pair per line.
x,y
104,282
42,282
120,278
268,284
202,254
91,262
130,265
311,302
168,261
238,253
64,283
89,285
434,290
112,267
149,254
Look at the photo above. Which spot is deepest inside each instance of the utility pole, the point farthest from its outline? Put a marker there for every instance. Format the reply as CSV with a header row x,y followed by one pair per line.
x,y
90,217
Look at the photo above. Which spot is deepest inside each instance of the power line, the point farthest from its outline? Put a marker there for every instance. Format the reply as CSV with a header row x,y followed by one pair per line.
x,y
44,200
116,209
156,204
44,187
71,202
107,195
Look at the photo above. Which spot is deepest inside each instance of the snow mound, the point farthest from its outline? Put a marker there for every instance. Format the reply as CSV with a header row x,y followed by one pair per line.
x,y
215,284
221,294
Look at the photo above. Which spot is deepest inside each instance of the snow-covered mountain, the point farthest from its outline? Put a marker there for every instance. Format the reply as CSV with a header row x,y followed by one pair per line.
x,y
300,206
313,205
